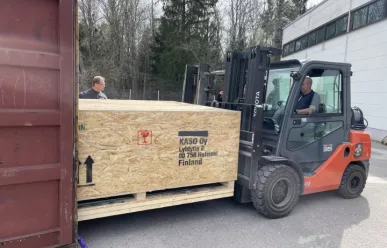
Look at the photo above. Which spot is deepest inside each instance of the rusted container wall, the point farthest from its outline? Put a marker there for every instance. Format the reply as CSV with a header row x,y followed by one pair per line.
x,y
36,123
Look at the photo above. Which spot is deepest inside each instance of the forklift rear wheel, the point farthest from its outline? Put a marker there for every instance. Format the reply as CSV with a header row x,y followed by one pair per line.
x,y
352,182
277,191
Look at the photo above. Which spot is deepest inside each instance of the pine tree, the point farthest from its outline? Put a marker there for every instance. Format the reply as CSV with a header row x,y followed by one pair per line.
x,y
187,34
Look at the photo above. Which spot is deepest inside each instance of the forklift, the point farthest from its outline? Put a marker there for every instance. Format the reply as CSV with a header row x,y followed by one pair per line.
x,y
286,151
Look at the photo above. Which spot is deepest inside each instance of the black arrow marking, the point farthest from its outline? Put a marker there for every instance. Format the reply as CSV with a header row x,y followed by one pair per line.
x,y
89,169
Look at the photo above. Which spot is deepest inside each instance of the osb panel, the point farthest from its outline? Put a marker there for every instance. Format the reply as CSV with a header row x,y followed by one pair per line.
x,y
148,106
124,165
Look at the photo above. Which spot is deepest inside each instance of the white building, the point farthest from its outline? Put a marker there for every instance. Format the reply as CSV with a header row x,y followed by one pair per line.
x,y
352,31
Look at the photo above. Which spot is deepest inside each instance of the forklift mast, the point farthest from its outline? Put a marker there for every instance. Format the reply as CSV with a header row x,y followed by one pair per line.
x,y
198,84
235,79
190,82
249,71
246,72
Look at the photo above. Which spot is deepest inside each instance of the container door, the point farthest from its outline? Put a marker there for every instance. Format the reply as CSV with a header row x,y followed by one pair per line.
x,y
36,123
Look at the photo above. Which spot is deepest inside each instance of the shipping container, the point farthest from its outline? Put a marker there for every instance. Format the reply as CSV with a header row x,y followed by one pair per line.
x,y
37,79
39,174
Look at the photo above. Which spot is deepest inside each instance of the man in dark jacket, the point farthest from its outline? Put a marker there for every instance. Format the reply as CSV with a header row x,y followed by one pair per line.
x,y
95,92
308,101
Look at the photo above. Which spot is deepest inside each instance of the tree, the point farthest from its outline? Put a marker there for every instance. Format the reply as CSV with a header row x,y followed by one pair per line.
x,y
136,52
276,15
188,33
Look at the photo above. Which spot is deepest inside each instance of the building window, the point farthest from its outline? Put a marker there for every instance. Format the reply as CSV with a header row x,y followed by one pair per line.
x,y
331,30
373,12
286,50
298,45
369,14
304,42
341,25
291,48
320,35
312,39
376,11
360,18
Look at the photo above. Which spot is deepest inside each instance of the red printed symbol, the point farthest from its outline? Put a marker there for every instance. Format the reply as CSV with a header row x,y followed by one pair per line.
x,y
144,137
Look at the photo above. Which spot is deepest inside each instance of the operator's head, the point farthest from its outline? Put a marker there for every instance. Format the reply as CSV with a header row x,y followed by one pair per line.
x,y
306,85
98,83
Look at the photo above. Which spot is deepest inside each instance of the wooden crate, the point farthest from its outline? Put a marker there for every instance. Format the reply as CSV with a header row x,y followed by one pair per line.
x,y
127,147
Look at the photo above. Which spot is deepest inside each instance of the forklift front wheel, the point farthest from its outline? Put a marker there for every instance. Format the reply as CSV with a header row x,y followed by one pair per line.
x,y
277,191
352,182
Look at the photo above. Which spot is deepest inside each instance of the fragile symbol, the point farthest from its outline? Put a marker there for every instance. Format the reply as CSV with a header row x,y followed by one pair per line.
x,y
144,137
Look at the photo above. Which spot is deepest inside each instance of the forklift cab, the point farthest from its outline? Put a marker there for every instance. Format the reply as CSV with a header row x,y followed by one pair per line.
x,y
285,152
295,135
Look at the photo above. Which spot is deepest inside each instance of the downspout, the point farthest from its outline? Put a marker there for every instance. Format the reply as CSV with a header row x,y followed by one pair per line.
x,y
348,27
306,50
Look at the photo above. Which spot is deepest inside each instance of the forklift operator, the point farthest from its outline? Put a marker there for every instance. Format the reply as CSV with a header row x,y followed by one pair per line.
x,y
308,100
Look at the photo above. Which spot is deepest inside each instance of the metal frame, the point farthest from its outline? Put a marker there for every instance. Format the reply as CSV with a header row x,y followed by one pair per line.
x,y
248,69
235,78
251,149
198,87
189,86
202,88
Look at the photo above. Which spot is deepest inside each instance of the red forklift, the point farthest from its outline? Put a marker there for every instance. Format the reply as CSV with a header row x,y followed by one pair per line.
x,y
286,149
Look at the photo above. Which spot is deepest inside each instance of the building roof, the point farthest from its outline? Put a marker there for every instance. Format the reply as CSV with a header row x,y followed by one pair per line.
x,y
306,13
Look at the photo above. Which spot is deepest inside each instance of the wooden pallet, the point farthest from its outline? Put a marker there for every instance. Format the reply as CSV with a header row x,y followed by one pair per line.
x,y
88,210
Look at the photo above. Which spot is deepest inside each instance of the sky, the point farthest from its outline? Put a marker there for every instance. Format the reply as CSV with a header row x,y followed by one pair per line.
x,y
313,2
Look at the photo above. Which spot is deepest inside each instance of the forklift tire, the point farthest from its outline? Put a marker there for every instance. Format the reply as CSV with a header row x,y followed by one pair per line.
x,y
277,192
352,182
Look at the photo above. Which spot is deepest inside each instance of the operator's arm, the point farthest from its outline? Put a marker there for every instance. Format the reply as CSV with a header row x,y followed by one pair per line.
x,y
312,107
303,111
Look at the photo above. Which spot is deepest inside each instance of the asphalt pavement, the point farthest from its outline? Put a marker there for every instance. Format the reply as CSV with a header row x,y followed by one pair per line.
x,y
319,220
